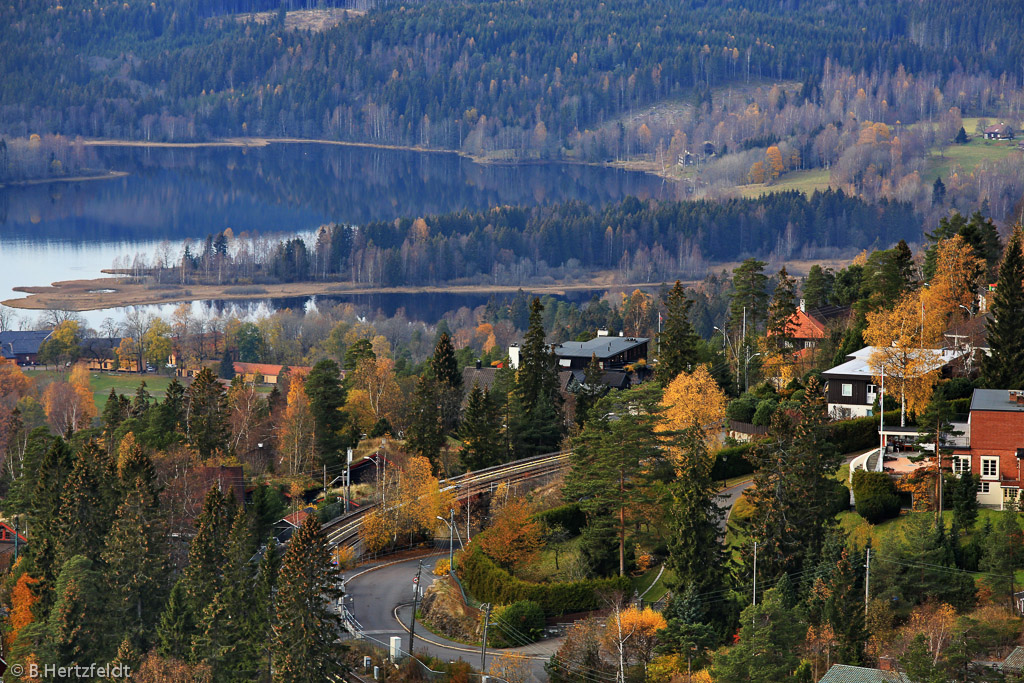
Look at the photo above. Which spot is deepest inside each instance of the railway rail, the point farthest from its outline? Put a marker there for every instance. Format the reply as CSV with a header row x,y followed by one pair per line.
x,y
344,530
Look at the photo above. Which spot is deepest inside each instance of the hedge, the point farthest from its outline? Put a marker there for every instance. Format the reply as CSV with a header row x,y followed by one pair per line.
x,y
732,462
570,517
488,582
859,433
875,495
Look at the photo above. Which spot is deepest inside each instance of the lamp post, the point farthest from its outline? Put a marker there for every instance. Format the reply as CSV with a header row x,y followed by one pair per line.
x,y
746,368
451,537
735,353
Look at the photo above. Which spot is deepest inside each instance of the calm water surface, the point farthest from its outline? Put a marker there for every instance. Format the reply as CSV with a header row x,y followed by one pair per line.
x,y
67,231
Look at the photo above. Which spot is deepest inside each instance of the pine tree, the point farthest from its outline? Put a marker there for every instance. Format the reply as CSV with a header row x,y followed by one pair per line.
x,y
480,431
696,554
783,306
260,619
226,369
54,470
1003,368
326,398
203,578
141,402
537,424
965,501
818,286
590,391
304,647
691,626
206,414
677,343
938,191
136,573
177,624
133,464
113,414
749,285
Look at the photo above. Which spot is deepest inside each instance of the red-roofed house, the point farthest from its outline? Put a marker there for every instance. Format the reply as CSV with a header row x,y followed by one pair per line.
x,y
284,529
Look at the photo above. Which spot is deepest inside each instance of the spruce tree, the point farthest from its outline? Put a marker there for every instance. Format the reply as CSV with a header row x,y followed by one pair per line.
x,y
448,382
326,398
1003,368
426,435
206,414
537,420
136,470
590,391
137,571
965,501
113,413
141,402
749,284
696,554
818,286
226,369
677,343
304,647
203,577
46,522
480,431
177,625
87,506
75,632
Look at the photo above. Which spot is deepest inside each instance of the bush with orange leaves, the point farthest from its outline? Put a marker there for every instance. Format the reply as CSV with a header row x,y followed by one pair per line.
x,y
633,633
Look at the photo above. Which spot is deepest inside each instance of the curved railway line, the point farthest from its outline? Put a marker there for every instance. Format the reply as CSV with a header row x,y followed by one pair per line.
x,y
344,530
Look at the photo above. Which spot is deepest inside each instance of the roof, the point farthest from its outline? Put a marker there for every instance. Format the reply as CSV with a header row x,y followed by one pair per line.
x,y
1014,661
297,518
20,342
859,364
100,347
602,347
803,326
997,128
826,313
268,370
616,379
482,376
843,673
997,399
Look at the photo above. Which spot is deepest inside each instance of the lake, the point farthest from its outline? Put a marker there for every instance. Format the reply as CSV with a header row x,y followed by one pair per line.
x,y
62,231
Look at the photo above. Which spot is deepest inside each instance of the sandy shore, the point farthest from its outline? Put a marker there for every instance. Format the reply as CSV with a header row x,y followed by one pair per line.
x,y
113,292
70,179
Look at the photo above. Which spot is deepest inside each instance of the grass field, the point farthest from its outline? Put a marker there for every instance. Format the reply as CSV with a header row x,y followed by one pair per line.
x,y
804,181
965,157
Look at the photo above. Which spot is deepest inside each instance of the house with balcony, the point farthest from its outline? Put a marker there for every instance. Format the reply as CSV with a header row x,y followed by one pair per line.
x,y
851,389
994,445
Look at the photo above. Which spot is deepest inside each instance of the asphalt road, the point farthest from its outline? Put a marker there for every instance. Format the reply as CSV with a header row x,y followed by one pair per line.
x,y
377,590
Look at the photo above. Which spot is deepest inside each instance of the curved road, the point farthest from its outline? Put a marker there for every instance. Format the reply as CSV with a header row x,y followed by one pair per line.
x,y
375,591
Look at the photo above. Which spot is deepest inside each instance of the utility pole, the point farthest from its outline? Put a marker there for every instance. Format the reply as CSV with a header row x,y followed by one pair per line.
x,y
881,416
755,573
348,478
451,540
487,624
325,484
867,583
415,605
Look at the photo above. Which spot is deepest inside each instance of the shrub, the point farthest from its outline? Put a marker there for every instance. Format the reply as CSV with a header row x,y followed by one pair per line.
x,y
876,496
522,620
488,582
570,517
764,412
732,462
839,498
741,409
442,567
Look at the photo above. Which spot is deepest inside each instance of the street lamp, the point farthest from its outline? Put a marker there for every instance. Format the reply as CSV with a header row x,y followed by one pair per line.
x,y
746,368
451,537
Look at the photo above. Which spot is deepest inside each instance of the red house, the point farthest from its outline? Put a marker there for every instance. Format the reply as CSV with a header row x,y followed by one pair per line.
x,y
995,434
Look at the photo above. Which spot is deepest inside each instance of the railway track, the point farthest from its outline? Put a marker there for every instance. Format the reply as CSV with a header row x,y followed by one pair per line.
x,y
344,530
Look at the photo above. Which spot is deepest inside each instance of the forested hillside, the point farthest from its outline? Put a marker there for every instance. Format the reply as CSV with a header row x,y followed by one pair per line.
x,y
524,74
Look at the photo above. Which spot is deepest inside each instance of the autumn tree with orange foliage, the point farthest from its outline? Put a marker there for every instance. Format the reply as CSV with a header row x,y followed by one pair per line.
x,y
374,380
69,405
694,398
631,634
514,538
296,435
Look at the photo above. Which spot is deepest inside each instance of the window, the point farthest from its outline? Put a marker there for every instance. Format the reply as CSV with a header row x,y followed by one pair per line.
x,y
872,389
989,467
961,464
1010,493
983,487
847,390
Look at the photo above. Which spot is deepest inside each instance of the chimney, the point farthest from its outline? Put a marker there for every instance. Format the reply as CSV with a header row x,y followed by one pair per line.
x,y
803,305
885,664
602,332
479,364
622,333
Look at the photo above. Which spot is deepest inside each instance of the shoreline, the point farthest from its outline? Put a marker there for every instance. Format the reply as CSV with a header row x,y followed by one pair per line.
x,y
113,292
109,175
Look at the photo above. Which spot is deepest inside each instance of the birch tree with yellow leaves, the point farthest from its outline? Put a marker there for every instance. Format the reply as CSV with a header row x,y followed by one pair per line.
x,y
694,398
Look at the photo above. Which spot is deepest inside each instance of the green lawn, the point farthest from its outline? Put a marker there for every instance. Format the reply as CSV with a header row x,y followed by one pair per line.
x,y
543,569
859,531
658,585
126,383
804,181
965,157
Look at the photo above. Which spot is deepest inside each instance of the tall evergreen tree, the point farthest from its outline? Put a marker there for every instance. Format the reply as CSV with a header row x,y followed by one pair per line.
x,y
767,650
677,343
304,647
206,414
537,424
590,391
782,308
54,470
113,415
203,577
326,398
481,431
965,501
87,506
226,369
177,624
696,554
136,470
818,286
1003,368
137,571
749,294
445,371
76,632
141,401
426,435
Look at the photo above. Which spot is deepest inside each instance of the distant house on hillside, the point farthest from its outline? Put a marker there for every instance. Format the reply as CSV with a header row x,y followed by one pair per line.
x,y
267,373
809,327
999,131
613,353
100,354
22,346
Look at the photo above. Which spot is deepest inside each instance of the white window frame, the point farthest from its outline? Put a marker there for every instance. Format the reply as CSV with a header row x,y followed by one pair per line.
x,y
961,464
1011,493
872,388
846,389
988,470
983,487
